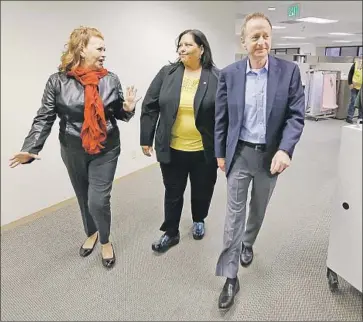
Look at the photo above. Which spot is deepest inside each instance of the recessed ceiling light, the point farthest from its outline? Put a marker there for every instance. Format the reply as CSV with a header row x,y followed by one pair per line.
x,y
316,20
271,8
293,37
340,34
342,41
278,27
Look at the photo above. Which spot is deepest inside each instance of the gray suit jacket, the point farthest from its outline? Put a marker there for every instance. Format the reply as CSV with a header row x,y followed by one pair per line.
x,y
285,109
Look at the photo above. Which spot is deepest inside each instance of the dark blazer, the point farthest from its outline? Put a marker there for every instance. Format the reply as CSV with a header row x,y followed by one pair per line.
x,y
285,109
64,97
160,107
350,74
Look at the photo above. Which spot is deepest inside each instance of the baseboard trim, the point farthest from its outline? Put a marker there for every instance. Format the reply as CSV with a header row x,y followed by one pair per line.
x,y
51,209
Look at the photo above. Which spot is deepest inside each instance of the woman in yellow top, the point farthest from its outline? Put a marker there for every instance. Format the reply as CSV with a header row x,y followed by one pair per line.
x,y
178,109
355,83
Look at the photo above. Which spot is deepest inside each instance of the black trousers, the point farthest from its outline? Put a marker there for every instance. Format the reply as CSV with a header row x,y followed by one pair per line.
x,y
203,177
92,177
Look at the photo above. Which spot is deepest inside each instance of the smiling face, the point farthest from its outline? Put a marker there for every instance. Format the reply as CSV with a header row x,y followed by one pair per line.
x,y
93,55
188,50
257,38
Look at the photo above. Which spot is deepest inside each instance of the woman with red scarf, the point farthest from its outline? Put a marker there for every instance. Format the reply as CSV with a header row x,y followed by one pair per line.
x,y
89,100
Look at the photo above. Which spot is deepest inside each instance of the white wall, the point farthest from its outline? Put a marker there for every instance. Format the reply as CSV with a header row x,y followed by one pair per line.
x,y
308,49
320,51
140,39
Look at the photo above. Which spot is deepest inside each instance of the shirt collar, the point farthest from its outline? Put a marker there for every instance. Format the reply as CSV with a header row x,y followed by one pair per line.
x,y
248,69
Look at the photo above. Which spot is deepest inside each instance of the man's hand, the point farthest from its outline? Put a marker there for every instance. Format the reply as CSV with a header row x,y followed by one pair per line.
x,y
280,162
147,150
221,164
351,86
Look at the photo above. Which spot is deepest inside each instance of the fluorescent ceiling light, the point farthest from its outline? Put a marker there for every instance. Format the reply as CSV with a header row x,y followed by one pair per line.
x,y
278,27
294,44
342,41
271,8
293,37
316,20
340,34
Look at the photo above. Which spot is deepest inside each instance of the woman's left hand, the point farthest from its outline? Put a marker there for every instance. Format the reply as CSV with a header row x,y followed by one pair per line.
x,y
130,99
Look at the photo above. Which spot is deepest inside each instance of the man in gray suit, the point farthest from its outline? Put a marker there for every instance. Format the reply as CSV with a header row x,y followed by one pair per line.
x,y
259,120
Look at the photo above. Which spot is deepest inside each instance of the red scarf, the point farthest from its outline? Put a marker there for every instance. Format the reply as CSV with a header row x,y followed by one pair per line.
x,y
94,130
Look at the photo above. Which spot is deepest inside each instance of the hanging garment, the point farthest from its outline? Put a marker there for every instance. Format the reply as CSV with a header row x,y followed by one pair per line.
x,y
316,95
329,91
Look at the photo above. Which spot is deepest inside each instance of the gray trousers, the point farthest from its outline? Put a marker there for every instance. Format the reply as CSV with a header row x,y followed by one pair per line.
x,y
92,177
247,166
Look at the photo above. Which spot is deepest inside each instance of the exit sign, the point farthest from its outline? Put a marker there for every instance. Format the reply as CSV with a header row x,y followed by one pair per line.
x,y
293,11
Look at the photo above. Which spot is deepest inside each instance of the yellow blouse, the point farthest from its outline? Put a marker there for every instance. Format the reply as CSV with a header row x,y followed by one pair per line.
x,y
184,134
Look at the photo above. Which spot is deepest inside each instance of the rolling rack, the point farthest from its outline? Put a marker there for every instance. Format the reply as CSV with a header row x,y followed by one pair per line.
x,y
321,93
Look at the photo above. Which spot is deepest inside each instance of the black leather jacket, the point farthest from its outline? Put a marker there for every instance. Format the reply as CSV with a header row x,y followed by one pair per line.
x,y
64,96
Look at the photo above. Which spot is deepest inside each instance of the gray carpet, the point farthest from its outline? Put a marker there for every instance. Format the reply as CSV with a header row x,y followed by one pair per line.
x,y
43,277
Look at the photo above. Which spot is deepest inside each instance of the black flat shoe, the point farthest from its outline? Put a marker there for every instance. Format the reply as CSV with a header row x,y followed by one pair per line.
x,y
165,242
109,262
84,252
